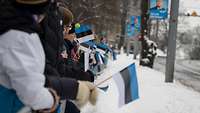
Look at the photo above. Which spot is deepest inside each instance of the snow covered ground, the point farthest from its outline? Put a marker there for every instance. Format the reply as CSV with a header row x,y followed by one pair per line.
x,y
155,95
188,23
160,53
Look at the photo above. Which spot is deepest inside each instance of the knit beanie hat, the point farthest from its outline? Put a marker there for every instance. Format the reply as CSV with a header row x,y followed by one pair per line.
x,y
33,6
67,15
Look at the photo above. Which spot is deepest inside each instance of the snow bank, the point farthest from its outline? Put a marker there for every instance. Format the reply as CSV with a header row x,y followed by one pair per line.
x,y
160,53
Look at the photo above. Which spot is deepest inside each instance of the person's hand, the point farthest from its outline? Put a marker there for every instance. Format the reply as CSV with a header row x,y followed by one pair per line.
x,y
86,92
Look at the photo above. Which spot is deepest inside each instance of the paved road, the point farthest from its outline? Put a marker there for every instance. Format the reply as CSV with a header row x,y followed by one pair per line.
x,y
187,75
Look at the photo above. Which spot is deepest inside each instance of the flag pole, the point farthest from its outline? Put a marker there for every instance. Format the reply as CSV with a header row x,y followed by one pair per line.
x,y
103,81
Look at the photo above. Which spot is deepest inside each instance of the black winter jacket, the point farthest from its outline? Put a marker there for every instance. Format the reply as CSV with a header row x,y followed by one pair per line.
x,y
57,72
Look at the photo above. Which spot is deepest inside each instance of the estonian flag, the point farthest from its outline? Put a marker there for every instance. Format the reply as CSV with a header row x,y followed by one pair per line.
x,y
126,81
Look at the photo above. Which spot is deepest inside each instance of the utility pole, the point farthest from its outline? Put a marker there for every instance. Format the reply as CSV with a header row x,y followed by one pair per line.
x,y
157,28
171,51
149,28
144,25
144,17
149,22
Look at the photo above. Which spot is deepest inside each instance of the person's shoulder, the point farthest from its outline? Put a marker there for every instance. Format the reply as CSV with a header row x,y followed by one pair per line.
x,y
154,8
15,32
22,36
163,8
17,38
13,36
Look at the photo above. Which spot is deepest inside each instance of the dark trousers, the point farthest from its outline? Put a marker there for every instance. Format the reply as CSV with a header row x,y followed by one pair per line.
x,y
71,108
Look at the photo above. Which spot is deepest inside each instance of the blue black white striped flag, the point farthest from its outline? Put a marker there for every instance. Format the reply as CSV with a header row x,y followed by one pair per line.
x,y
127,84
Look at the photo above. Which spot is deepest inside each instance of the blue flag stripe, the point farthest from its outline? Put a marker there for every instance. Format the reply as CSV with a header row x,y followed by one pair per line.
x,y
134,82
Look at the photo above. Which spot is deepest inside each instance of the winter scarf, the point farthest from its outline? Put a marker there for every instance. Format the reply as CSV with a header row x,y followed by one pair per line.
x,y
13,18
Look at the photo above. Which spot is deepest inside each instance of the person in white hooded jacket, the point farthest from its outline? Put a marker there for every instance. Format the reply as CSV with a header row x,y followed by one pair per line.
x,y
22,58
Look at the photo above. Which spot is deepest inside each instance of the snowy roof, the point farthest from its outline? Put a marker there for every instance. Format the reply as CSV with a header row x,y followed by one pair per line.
x,y
188,22
190,6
